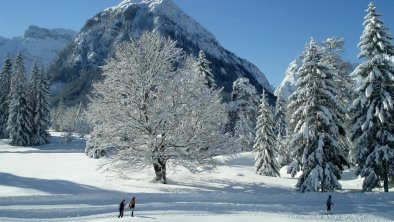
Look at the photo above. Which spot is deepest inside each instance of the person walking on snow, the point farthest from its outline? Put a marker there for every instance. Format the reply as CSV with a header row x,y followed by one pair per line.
x,y
329,204
121,208
132,205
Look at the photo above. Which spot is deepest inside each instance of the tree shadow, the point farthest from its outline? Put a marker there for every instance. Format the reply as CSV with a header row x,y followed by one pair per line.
x,y
47,186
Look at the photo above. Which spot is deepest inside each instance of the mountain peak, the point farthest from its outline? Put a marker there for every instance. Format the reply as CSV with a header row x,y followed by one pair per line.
x,y
153,5
150,2
128,20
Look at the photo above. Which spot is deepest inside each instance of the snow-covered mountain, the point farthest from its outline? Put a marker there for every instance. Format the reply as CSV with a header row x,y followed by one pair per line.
x,y
37,43
288,84
79,64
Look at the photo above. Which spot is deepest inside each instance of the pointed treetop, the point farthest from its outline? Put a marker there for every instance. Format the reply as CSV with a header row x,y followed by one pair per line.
x,y
376,38
371,7
310,46
312,43
19,64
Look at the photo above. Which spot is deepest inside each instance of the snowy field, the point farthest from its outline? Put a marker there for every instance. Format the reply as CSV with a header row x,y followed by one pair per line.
x,y
58,182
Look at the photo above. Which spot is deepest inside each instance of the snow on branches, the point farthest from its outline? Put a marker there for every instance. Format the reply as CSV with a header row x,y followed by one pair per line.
x,y
316,116
372,121
265,144
154,109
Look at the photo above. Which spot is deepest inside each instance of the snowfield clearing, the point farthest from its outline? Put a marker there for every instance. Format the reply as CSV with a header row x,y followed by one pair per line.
x,y
58,182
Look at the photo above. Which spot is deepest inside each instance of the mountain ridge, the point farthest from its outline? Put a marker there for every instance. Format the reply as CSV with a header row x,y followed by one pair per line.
x,y
78,65
40,44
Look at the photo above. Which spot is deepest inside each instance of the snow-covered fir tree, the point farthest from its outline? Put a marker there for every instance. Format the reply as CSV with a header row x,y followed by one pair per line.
x,y
19,119
265,144
39,104
373,120
332,47
203,69
317,122
153,107
280,121
5,83
243,111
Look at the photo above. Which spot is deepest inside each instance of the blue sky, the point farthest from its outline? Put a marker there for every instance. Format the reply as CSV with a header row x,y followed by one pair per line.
x,y
269,33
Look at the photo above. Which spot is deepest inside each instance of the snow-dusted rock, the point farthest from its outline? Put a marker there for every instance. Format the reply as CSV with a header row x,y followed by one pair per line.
x,y
289,83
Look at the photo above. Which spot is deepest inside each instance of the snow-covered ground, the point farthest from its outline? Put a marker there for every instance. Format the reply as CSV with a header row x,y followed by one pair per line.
x,y
58,182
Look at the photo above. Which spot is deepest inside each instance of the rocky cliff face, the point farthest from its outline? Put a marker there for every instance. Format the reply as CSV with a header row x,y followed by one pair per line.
x,y
289,82
78,65
38,44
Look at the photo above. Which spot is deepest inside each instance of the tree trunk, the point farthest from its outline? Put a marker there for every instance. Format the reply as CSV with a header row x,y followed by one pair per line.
x,y
160,170
385,178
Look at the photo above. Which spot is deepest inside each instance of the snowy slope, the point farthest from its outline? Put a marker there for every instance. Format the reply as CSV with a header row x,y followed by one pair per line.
x,y
100,34
38,44
289,82
58,182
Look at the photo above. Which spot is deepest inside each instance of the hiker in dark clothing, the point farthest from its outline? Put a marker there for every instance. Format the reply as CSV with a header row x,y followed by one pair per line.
x,y
132,205
121,208
329,204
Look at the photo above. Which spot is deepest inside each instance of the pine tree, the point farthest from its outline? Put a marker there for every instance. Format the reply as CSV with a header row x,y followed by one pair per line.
x,y
372,122
317,122
332,47
243,111
265,141
203,68
33,84
5,83
244,131
19,119
280,120
39,100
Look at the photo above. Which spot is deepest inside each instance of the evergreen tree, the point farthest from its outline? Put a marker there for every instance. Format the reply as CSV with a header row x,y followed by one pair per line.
x,y
39,100
34,79
19,120
280,120
203,68
243,111
265,141
244,131
5,83
317,122
332,47
372,122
